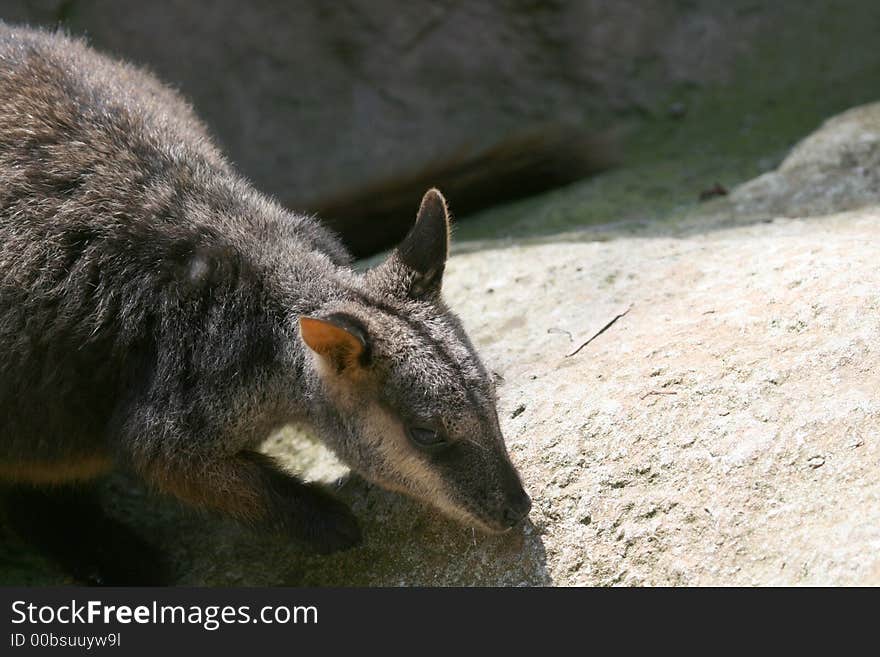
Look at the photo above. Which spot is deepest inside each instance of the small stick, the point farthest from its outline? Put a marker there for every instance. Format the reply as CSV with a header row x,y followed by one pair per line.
x,y
599,332
658,392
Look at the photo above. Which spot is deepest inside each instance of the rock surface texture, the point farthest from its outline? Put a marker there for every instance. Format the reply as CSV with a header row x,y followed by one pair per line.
x,y
723,431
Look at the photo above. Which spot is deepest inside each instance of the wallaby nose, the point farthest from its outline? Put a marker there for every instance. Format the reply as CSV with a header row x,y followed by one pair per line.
x,y
518,507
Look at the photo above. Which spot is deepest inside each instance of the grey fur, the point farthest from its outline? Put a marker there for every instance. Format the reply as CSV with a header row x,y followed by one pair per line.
x,y
149,309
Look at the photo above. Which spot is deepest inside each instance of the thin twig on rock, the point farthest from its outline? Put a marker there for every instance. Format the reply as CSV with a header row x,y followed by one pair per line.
x,y
599,332
658,392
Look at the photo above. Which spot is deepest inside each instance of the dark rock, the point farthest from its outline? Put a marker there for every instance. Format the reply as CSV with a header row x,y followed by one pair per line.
x,y
344,108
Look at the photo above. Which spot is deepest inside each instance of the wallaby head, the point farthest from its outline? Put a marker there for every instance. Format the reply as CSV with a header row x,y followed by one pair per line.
x,y
413,405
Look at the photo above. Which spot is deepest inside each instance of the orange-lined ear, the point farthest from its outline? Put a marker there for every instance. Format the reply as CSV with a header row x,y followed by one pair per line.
x,y
339,341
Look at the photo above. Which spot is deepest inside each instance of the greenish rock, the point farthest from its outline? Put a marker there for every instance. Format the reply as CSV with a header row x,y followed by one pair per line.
x,y
835,168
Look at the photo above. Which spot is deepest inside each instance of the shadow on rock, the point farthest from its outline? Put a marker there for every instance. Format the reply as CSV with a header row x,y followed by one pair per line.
x,y
405,544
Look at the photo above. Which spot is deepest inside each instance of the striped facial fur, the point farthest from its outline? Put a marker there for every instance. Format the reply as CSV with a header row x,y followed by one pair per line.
x,y
410,404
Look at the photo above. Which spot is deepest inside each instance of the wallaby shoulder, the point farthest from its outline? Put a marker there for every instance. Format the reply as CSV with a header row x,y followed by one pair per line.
x,y
134,262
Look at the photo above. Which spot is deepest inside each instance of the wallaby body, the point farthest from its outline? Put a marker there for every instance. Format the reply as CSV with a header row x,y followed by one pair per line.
x,y
158,314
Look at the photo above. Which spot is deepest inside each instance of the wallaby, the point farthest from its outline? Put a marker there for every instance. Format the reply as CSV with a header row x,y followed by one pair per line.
x,y
160,315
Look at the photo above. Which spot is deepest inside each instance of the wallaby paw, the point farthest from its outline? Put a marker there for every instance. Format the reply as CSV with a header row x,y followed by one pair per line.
x,y
327,525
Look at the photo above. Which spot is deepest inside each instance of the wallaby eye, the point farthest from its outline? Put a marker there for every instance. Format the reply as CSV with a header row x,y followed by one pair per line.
x,y
426,436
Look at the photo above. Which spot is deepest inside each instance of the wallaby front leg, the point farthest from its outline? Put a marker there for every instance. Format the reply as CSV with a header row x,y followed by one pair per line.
x,y
251,488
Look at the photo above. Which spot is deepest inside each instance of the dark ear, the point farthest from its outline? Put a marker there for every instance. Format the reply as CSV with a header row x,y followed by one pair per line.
x,y
340,340
425,248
